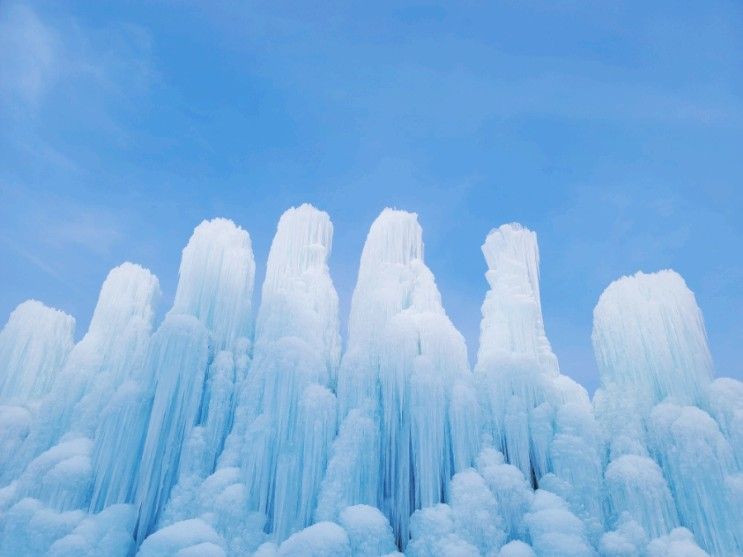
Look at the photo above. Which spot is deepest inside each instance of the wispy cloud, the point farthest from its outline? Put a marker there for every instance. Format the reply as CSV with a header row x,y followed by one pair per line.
x,y
96,230
58,224
34,260
31,60
58,75
28,56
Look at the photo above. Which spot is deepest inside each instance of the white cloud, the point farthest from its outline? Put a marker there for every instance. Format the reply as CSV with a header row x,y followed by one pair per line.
x,y
54,66
28,49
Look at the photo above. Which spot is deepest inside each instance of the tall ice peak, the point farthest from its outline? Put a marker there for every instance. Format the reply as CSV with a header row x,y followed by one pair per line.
x,y
648,335
303,242
33,345
216,280
129,291
394,237
512,255
512,323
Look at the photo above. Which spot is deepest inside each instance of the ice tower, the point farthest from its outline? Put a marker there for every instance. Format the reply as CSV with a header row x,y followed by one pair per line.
x,y
540,420
288,415
670,462
404,386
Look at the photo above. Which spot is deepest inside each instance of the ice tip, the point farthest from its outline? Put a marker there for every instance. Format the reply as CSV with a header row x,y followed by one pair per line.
x,y
34,307
218,226
218,231
508,230
398,222
395,236
127,268
395,214
643,281
305,207
304,211
664,284
511,241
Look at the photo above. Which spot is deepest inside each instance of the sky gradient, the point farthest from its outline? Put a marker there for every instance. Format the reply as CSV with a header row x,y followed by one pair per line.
x,y
614,130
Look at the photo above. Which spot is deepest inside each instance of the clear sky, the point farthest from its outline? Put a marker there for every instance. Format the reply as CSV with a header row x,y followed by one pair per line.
x,y
613,129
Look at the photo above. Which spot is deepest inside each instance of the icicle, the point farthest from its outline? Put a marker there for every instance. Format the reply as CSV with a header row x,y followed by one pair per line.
x,y
178,358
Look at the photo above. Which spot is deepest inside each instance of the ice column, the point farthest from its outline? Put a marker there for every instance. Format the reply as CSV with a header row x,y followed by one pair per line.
x,y
292,413
515,363
115,393
541,420
211,311
120,329
649,340
655,392
34,345
406,371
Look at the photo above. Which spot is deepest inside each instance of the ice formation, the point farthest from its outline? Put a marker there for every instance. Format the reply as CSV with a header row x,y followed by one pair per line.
x,y
404,387
540,420
226,434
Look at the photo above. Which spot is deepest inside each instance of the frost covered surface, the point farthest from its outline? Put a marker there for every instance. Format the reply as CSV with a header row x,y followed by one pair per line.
x,y
671,463
226,433
404,387
540,420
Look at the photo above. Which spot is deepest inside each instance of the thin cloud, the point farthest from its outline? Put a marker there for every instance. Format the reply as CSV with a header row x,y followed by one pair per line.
x,y
37,262
53,67
28,56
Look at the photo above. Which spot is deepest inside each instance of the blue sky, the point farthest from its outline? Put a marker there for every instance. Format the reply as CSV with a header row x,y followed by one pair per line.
x,y
615,130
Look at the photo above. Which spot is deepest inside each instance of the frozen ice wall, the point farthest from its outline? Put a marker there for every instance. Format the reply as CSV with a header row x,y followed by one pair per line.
x,y
114,343
403,387
51,471
671,463
268,474
218,437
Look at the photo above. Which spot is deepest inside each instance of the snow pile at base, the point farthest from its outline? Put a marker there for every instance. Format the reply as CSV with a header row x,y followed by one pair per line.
x,y
225,434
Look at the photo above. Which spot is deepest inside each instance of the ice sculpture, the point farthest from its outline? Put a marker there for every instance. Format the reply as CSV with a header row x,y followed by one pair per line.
x,y
404,386
52,471
541,420
656,375
289,418
211,312
218,437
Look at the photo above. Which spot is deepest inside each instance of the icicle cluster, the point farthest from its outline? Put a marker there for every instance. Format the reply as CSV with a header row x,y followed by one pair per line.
x,y
223,434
